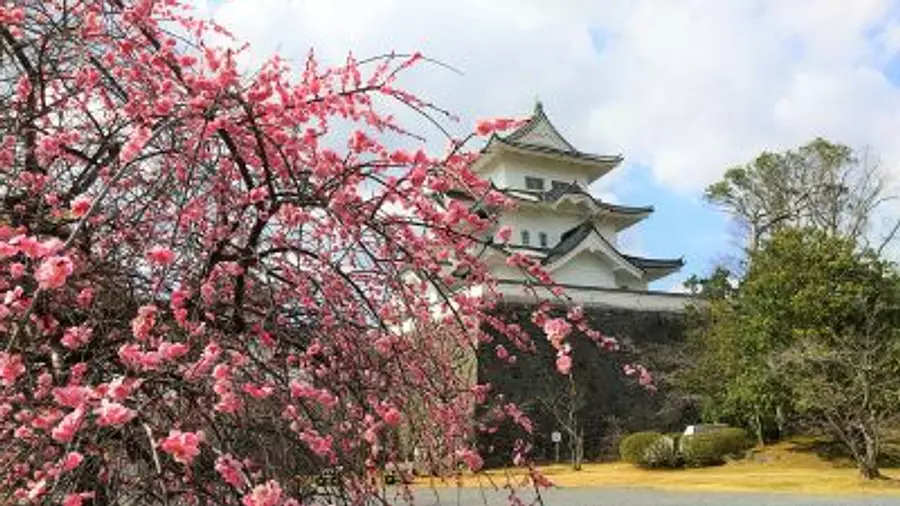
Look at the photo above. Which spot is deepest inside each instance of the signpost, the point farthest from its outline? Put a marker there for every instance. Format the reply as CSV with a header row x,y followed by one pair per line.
x,y
556,437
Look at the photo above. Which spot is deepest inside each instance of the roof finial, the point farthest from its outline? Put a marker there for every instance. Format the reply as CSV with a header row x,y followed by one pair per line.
x,y
538,107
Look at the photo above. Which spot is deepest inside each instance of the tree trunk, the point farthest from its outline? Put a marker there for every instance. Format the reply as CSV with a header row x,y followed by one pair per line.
x,y
576,434
779,421
576,448
868,464
579,451
869,470
759,430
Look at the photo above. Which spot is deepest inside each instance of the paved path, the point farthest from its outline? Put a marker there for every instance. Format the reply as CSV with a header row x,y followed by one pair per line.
x,y
643,497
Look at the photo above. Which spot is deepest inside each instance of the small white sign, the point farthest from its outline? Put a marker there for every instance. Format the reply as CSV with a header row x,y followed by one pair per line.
x,y
555,436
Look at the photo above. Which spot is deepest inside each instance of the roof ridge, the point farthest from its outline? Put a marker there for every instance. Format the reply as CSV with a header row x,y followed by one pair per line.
x,y
536,117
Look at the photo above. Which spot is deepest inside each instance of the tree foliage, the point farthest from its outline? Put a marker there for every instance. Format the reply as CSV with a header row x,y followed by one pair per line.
x,y
821,185
724,368
838,344
810,332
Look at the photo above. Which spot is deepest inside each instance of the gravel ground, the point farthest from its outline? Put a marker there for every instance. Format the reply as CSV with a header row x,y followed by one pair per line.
x,y
643,497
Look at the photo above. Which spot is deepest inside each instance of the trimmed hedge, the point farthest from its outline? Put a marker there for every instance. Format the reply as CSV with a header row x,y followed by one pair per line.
x,y
676,440
655,450
648,449
632,446
712,448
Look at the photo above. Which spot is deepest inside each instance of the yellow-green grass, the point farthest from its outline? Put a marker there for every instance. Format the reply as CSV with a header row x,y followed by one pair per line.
x,y
779,468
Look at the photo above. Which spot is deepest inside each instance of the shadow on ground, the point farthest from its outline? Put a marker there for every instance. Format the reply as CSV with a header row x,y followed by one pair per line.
x,y
839,455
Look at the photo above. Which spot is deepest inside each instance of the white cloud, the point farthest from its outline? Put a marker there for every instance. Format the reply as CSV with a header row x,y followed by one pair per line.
x,y
704,85
686,88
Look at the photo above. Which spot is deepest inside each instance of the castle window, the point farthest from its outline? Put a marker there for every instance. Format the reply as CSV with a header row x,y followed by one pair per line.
x,y
542,239
526,238
534,183
556,185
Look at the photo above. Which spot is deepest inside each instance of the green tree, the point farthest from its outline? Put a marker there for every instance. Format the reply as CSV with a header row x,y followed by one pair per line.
x,y
822,185
718,285
812,331
831,314
726,371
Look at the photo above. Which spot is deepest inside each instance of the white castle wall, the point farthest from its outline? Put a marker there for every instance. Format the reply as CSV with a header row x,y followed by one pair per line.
x,y
554,224
516,167
586,269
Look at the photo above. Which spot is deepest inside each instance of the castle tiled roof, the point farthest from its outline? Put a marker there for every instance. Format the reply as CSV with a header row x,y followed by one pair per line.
x,y
520,134
559,192
539,136
573,237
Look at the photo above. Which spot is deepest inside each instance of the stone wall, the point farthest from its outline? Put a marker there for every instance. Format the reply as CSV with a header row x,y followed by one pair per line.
x,y
606,403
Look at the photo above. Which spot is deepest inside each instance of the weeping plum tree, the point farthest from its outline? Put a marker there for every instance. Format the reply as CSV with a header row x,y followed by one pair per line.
x,y
208,294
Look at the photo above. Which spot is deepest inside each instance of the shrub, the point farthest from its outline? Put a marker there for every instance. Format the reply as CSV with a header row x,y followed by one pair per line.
x,y
632,447
712,448
676,440
662,453
648,449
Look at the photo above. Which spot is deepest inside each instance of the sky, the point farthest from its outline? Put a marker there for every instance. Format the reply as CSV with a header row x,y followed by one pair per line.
x,y
682,89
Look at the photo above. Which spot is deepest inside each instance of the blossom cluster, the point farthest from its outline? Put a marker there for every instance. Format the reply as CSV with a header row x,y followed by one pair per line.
x,y
204,295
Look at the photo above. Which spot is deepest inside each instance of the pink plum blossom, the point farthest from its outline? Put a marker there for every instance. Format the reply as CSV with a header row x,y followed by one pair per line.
x,y
229,469
76,337
72,460
71,396
11,367
161,255
16,270
113,414
67,428
77,499
230,249
172,351
143,323
564,364
80,206
321,446
485,127
53,272
504,234
392,417
182,446
557,329
268,494
471,458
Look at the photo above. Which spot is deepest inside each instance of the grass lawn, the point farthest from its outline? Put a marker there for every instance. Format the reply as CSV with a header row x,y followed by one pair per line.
x,y
786,467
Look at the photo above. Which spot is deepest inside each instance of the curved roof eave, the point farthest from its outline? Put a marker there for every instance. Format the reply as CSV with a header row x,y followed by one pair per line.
x,y
656,268
606,161
650,267
632,214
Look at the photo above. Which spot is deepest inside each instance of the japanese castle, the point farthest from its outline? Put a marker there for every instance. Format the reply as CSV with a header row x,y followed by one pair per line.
x,y
557,221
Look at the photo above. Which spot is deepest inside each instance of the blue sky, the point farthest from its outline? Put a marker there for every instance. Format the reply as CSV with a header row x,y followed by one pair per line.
x,y
682,88
682,225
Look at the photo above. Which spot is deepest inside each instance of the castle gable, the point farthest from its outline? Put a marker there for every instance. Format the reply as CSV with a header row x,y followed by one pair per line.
x,y
538,131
